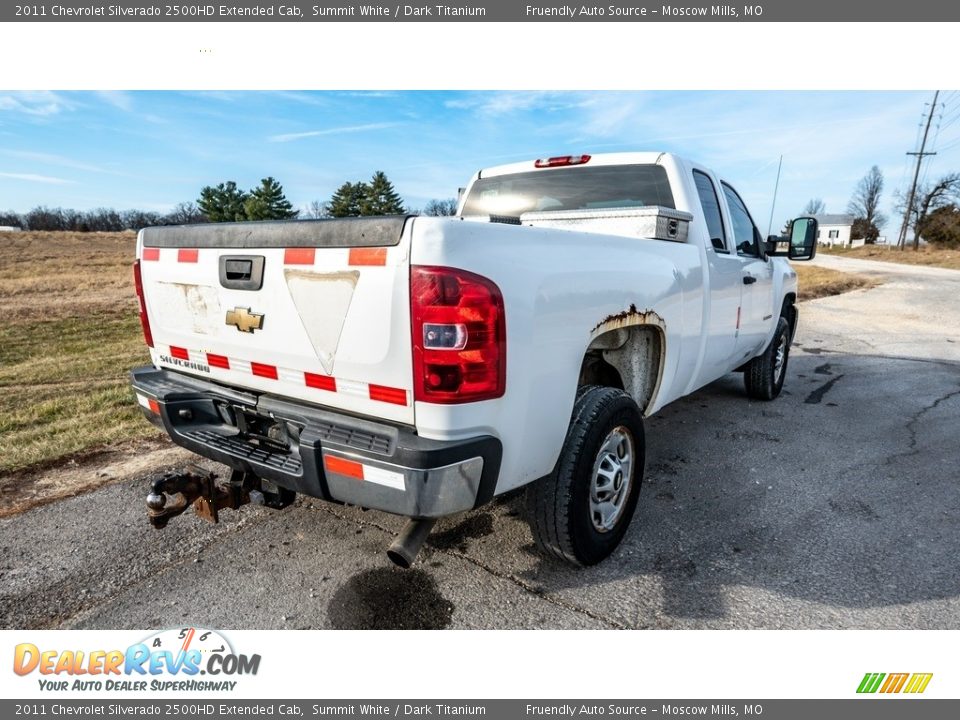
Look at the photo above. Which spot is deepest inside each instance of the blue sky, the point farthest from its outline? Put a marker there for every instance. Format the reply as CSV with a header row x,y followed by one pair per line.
x,y
151,150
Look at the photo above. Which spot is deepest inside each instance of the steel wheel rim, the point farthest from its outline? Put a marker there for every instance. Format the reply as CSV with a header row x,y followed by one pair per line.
x,y
780,359
611,479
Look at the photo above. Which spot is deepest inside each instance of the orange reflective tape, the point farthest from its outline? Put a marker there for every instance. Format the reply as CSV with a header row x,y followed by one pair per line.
x,y
368,256
299,256
341,466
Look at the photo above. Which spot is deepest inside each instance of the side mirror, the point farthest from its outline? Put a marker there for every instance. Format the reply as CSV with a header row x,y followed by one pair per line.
x,y
799,244
803,239
777,245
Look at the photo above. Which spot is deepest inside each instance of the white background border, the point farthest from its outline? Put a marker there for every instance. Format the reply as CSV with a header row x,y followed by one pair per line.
x,y
497,56
584,664
568,56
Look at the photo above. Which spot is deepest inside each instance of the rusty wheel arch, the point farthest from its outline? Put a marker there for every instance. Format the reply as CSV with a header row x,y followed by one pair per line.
x,y
632,345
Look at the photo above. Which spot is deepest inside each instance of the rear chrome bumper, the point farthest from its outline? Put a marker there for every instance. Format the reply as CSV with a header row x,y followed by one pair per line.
x,y
324,454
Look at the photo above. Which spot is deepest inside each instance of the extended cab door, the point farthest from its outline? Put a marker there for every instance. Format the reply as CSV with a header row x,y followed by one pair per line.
x,y
725,271
756,305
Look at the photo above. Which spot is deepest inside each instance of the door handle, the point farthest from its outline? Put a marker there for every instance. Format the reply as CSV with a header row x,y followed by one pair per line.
x,y
749,279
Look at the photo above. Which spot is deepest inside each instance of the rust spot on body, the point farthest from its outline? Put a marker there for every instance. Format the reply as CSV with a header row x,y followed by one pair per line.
x,y
626,318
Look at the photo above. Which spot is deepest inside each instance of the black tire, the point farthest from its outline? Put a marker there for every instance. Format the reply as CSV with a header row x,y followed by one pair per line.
x,y
559,507
763,377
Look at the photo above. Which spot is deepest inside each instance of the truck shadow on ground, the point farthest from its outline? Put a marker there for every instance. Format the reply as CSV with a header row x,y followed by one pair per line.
x,y
825,508
389,599
830,495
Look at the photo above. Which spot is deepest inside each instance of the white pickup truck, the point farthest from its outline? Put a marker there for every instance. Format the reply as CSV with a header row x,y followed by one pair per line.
x,y
421,366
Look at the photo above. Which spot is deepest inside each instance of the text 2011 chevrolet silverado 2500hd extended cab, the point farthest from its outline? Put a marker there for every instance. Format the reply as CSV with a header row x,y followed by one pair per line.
x,y
421,366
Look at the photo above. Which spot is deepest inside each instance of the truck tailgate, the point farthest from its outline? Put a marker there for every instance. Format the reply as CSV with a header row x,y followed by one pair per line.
x,y
316,310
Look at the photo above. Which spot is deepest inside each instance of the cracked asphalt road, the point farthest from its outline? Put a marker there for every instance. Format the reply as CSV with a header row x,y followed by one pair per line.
x,y
836,506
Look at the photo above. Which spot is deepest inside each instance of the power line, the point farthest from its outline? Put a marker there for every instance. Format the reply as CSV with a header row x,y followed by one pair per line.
x,y
933,147
901,242
951,145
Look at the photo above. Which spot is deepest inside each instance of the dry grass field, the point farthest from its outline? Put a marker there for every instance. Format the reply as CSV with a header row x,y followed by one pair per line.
x,y
69,335
926,255
816,282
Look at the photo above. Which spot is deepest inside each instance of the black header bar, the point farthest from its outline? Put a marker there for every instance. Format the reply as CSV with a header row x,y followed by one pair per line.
x,y
488,11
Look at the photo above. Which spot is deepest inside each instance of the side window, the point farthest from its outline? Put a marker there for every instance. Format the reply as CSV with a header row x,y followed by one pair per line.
x,y
745,233
711,211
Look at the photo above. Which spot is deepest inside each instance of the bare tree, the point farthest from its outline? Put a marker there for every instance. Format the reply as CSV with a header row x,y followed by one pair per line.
x,y
930,197
11,219
44,218
315,210
865,205
185,213
139,219
441,208
814,206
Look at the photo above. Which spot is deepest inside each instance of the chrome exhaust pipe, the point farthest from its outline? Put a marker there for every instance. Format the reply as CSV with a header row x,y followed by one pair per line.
x,y
403,551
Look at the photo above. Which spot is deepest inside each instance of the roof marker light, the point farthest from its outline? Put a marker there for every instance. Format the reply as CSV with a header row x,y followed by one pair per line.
x,y
562,161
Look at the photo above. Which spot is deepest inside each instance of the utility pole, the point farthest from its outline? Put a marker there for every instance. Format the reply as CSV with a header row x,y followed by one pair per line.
x,y
902,241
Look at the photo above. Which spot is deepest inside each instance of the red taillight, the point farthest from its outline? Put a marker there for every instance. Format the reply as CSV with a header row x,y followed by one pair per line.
x,y
447,304
562,161
144,320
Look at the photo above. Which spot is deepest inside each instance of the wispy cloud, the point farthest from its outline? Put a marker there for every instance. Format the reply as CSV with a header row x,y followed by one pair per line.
x,y
368,93
56,160
220,95
504,103
303,98
116,98
30,177
288,137
37,104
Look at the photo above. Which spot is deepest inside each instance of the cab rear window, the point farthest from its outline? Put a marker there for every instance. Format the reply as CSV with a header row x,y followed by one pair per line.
x,y
571,188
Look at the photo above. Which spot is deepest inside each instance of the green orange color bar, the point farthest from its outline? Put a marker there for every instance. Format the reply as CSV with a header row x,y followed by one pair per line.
x,y
894,682
870,682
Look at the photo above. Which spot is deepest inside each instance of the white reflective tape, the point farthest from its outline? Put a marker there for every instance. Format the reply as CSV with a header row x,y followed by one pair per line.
x,y
383,477
240,365
143,401
352,387
290,376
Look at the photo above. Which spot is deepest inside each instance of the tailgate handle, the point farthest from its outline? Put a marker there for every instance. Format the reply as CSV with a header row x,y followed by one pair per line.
x,y
241,272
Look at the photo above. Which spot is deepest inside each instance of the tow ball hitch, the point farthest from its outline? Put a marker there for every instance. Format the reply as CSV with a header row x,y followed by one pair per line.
x,y
175,490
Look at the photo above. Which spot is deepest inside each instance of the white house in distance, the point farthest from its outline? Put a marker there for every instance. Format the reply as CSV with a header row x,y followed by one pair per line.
x,y
835,230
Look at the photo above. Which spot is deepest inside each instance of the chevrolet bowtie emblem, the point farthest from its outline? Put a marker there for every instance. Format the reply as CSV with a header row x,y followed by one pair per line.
x,y
244,320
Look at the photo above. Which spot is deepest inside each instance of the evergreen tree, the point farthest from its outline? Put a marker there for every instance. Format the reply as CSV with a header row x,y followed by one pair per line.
x,y
348,200
267,202
942,227
223,203
381,198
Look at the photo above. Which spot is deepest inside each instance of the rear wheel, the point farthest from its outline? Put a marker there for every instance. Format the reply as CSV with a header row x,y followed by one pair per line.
x,y
581,512
764,374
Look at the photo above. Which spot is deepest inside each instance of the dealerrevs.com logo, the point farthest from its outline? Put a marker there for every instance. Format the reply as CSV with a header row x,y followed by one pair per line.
x,y
171,660
890,683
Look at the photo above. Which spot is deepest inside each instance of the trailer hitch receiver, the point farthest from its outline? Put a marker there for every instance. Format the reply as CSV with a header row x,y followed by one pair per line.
x,y
176,490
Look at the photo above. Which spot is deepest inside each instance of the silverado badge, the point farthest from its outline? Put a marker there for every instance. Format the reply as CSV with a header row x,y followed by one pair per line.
x,y
244,320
